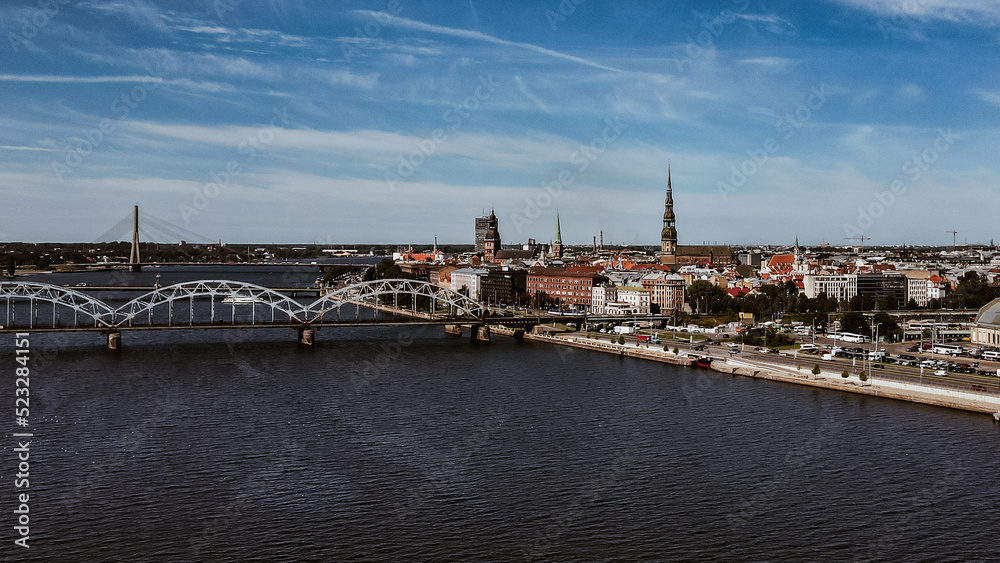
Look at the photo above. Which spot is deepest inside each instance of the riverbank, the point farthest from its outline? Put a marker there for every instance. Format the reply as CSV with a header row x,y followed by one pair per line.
x,y
914,393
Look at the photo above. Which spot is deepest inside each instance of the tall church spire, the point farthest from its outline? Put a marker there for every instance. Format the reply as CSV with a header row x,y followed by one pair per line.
x,y
668,236
670,192
556,247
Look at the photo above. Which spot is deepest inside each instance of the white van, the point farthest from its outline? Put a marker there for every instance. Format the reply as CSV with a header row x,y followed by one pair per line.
x,y
992,356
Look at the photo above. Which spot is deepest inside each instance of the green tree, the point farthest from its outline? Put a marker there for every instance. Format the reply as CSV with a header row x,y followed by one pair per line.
x,y
854,322
887,326
972,292
542,300
708,297
676,350
863,376
816,370
845,374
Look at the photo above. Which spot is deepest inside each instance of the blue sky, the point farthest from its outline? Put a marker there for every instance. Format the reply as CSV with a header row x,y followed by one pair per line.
x,y
391,122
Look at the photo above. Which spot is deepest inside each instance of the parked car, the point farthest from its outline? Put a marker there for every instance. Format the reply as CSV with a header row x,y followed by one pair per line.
x,y
940,372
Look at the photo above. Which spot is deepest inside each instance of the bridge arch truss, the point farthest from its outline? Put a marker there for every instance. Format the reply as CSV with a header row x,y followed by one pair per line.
x,y
236,293
57,297
418,296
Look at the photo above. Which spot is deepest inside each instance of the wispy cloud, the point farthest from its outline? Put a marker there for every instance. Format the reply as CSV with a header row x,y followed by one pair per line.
x,y
974,12
17,148
77,79
772,62
524,90
990,97
407,23
911,91
770,22
183,82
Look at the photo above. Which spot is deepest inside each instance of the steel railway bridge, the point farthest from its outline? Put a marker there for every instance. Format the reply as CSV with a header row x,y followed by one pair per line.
x,y
222,304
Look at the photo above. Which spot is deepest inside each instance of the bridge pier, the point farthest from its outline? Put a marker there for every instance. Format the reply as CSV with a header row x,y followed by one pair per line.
x,y
114,340
481,333
453,329
306,336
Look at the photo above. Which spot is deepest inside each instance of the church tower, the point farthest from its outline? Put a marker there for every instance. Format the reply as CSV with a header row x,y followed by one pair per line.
x,y
557,249
668,236
491,242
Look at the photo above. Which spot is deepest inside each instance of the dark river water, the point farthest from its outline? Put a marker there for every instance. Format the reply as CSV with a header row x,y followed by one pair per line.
x,y
407,444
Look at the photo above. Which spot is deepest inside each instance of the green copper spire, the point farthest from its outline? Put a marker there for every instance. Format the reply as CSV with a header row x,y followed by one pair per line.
x,y
558,230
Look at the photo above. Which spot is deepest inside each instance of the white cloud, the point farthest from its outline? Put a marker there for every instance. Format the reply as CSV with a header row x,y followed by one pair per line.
x,y
524,90
770,22
344,77
475,35
990,97
76,79
975,12
20,148
771,62
911,91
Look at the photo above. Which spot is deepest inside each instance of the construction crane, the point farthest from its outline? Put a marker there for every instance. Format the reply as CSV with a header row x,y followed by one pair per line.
x,y
862,238
954,235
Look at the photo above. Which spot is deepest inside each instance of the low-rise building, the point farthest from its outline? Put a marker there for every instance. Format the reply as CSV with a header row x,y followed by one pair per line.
x,y
842,287
601,295
666,291
570,288
501,287
635,299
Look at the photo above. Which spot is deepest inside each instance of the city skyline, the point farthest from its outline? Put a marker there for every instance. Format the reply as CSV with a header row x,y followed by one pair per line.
x,y
346,124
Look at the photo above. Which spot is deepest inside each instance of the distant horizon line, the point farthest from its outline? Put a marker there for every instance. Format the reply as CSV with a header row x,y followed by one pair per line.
x,y
565,245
